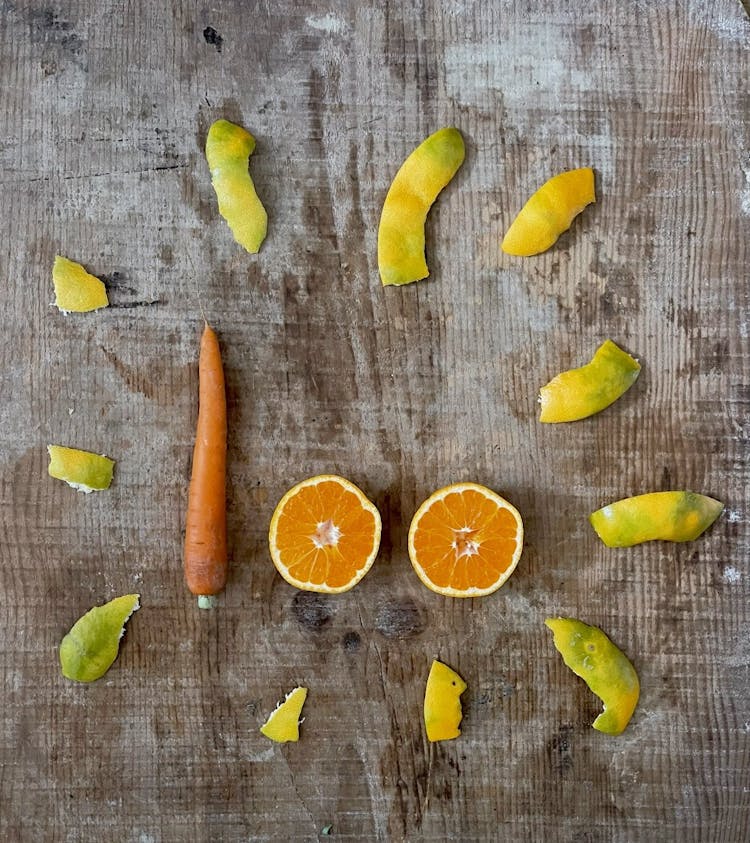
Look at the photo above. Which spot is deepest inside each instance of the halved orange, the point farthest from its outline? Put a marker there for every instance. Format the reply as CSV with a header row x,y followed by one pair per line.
x,y
324,535
465,540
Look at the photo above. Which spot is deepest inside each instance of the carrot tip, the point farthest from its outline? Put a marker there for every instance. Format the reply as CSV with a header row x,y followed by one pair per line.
x,y
206,601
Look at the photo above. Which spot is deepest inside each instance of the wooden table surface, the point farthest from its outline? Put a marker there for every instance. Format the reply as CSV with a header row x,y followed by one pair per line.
x,y
104,111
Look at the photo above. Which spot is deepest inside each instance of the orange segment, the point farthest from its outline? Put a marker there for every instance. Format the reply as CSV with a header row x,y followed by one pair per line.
x,y
324,535
465,540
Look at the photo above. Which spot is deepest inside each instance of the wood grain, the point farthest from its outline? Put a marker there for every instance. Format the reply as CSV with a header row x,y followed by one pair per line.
x,y
105,108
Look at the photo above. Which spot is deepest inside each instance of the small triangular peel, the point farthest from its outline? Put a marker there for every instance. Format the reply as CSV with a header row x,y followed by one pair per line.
x,y
283,722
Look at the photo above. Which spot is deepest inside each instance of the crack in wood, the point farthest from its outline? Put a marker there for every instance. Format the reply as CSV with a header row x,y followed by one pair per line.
x,y
70,177
299,796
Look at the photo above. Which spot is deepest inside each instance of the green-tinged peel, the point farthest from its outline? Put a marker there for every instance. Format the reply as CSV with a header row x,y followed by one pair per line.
x,y
228,151
579,393
89,649
665,516
83,470
401,238
608,672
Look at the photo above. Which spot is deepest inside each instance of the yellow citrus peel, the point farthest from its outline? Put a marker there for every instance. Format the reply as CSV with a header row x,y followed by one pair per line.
x,y
76,291
228,151
283,722
89,649
549,212
579,393
665,516
607,671
82,470
422,176
442,703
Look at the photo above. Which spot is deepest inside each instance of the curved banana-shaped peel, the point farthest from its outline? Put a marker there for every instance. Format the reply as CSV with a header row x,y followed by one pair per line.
x,y
417,184
549,212
579,393
665,516
607,671
228,151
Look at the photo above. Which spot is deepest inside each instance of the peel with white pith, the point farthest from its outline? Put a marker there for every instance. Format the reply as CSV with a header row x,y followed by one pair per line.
x,y
83,470
89,649
76,291
282,725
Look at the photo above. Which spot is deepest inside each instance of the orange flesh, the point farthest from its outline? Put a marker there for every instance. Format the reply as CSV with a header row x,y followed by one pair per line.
x,y
465,541
324,536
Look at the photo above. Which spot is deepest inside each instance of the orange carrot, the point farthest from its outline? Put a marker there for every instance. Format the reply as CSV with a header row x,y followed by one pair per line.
x,y
205,555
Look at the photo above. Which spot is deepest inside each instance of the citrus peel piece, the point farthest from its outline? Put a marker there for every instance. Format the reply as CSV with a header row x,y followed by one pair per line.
x,y
228,151
465,540
82,470
283,722
89,649
549,212
425,172
667,516
442,703
589,389
76,291
608,672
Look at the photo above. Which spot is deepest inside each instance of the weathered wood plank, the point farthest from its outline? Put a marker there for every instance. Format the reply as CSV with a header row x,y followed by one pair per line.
x,y
105,107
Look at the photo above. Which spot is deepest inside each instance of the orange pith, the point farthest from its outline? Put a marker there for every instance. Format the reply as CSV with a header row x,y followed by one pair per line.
x,y
465,540
324,534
